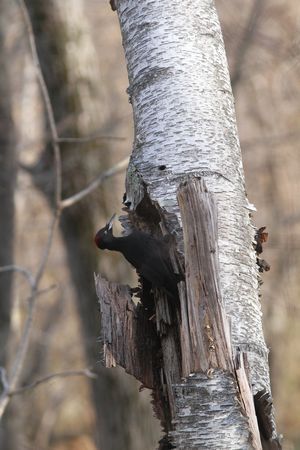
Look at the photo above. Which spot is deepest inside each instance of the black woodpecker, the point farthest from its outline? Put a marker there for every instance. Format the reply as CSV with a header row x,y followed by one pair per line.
x,y
148,255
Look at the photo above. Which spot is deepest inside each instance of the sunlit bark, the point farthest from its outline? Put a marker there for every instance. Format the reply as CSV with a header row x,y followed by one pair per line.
x,y
185,124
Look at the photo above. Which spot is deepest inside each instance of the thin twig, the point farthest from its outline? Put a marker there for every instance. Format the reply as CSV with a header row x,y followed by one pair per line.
x,y
24,341
54,138
29,277
58,182
69,373
246,40
46,290
3,378
119,167
9,387
46,97
72,140
22,270
85,139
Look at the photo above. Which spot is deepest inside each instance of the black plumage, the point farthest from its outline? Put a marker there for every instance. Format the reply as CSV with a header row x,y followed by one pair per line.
x,y
148,254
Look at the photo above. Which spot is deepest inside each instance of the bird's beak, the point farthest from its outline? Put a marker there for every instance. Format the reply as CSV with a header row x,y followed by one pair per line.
x,y
110,222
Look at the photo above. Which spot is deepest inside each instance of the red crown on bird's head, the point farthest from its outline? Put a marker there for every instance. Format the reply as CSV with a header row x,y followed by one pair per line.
x,y
103,231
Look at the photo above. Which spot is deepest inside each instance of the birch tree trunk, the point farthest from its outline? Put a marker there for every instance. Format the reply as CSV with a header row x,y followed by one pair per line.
x,y
186,171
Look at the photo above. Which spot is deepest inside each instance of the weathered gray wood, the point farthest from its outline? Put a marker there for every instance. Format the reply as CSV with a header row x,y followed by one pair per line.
x,y
130,339
127,336
185,124
245,396
205,339
205,333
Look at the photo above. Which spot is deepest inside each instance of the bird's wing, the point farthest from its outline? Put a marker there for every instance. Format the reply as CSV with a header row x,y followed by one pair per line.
x,y
158,270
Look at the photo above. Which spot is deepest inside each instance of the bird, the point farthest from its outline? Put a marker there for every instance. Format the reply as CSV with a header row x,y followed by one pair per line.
x,y
149,255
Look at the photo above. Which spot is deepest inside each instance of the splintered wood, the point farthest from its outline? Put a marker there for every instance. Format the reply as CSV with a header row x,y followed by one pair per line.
x,y
183,352
205,335
127,336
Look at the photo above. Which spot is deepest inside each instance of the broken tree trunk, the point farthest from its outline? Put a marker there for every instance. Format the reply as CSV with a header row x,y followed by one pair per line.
x,y
205,358
207,371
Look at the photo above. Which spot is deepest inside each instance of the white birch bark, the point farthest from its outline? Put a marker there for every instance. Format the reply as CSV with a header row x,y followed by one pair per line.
x,y
185,124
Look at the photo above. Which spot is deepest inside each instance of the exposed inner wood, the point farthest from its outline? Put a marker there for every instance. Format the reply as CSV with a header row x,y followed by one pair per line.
x,y
128,337
205,336
181,352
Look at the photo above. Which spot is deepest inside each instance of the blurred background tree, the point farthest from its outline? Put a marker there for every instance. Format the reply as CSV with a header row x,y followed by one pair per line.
x,y
81,56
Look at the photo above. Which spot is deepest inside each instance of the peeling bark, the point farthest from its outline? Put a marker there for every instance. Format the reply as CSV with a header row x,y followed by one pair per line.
x,y
210,384
185,130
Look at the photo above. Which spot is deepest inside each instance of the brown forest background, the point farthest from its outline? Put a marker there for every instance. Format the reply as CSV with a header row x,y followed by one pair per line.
x,y
81,56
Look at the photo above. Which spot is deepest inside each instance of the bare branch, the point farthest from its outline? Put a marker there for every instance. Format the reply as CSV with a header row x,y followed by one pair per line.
x,y
71,140
9,384
68,373
54,137
24,341
14,268
46,290
3,379
119,167
246,41
29,277
85,139
46,98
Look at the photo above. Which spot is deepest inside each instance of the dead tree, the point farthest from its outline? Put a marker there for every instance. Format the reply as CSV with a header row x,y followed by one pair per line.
x,y
205,360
